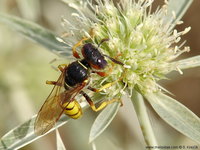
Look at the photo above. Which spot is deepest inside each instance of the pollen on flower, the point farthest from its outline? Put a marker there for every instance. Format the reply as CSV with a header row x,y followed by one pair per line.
x,y
143,40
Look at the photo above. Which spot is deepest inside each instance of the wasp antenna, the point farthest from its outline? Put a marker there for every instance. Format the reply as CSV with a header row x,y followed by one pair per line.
x,y
114,60
102,41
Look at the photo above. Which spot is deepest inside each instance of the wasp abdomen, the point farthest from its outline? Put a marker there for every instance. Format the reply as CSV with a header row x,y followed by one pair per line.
x,y
73,109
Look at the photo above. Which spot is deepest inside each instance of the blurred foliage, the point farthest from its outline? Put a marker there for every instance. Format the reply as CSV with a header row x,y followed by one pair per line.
x,y
25,67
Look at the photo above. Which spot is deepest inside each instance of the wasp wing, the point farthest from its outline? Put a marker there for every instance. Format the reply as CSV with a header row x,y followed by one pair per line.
x,y
52,108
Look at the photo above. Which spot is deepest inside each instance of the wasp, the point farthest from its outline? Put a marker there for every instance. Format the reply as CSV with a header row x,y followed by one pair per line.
x,y
73,79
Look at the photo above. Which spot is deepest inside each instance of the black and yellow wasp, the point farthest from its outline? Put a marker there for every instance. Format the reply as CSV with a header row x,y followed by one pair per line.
x,y
73,79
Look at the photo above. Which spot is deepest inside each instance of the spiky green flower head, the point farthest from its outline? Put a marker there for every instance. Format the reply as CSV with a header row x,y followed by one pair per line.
x,y
142,40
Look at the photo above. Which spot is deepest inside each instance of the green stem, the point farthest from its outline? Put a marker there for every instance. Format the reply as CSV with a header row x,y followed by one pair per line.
x,y
143,118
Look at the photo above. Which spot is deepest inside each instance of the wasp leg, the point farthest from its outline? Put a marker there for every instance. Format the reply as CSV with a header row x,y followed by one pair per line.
x,y
107,85
61,67
51,82
101,106
75,53
103,74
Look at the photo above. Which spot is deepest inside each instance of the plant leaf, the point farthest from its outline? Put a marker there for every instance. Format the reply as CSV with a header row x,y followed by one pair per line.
x,y
103,120
59,142
143,118
24,134
188,63
179,7
37,33
29,9
176,114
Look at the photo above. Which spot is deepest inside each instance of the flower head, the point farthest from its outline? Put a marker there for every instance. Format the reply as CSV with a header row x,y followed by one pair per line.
x,y
143,41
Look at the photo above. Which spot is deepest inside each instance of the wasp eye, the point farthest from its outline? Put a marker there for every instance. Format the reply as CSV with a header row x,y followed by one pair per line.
x,y
101,63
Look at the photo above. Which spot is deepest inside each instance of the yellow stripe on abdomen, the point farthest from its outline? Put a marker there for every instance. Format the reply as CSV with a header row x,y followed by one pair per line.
x,y
73,109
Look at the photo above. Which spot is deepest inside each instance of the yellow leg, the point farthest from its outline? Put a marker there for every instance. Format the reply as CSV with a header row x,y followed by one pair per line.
x,y
75,54
107,85
101,106
61,67
51,82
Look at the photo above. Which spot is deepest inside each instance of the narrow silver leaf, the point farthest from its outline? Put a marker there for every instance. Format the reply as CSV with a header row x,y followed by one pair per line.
x,y
179,7
59,142
103,120
37,33
176,114
188,63
24,134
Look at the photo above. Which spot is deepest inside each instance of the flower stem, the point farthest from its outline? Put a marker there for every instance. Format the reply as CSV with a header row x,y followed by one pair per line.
x,y
143,118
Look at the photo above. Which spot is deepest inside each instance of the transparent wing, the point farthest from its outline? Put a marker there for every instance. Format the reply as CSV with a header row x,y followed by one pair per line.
x,y
52,108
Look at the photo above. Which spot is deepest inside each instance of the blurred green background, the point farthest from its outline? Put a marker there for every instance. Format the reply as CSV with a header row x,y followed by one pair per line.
x,y
25,66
